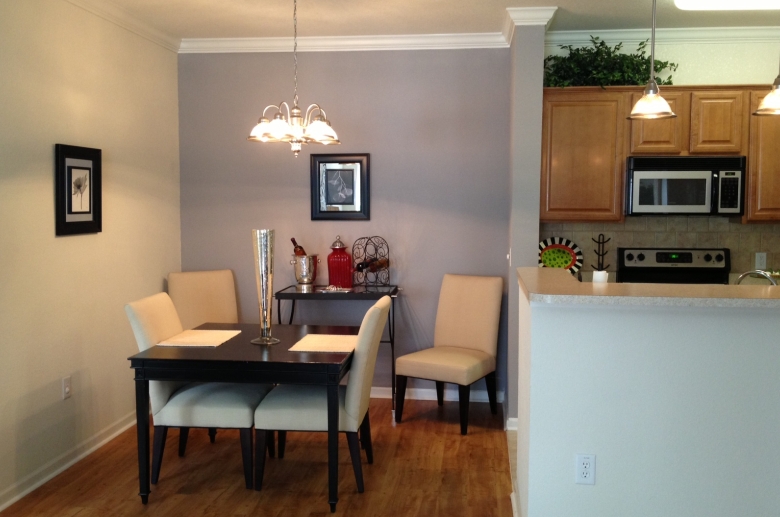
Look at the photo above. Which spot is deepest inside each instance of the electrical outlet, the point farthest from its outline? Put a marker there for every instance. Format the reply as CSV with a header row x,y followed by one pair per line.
x,y
585,469
761,260
66,391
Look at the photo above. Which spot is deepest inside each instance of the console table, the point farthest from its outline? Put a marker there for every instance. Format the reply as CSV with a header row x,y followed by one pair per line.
x,y
361,292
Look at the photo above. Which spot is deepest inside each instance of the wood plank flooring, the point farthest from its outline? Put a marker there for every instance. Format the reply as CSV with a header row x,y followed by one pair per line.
x,y
422,467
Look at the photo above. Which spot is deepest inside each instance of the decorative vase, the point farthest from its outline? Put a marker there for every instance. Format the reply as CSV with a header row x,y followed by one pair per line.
x,y
339,265
263,243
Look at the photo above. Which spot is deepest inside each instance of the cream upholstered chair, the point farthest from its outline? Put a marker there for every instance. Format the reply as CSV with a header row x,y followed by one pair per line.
x,y
178,404
204,297
304,408
464,343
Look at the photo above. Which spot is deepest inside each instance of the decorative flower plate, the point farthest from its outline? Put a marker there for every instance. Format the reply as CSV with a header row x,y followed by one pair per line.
x,y
560,253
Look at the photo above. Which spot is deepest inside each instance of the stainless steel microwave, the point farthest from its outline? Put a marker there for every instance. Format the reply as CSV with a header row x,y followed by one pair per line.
x,y
685,185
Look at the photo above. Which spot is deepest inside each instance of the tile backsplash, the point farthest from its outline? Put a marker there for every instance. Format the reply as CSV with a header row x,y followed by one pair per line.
x,y
744,240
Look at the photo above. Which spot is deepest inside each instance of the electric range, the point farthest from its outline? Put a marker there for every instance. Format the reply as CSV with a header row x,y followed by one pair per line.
x,y
674,265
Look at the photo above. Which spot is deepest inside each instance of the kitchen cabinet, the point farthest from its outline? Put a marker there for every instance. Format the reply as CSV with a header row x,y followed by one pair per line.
x,y
586,138
707,122
583,160
763,175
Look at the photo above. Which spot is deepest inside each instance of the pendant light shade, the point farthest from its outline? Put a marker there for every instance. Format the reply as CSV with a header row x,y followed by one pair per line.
x,y
770,105
295,128
651,106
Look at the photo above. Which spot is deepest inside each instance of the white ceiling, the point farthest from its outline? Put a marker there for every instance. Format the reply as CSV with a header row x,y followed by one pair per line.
x,y
273,18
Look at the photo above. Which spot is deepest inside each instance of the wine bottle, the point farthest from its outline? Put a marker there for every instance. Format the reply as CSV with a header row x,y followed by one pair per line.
x,y
376,265
362,266
298,250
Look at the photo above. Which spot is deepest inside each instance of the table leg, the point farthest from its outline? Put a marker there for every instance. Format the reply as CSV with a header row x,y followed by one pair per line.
x,y
333,445
279,311
391,331
292,312
142,424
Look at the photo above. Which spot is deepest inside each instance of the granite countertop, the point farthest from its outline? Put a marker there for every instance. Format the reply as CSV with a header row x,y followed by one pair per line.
x,y
558,286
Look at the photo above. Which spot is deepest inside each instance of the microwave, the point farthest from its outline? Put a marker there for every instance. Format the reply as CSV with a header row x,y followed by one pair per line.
x,y
685,185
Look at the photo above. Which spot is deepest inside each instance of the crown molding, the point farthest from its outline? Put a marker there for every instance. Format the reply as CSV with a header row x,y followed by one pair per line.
x,y
343,43
526,16
709,35
125,20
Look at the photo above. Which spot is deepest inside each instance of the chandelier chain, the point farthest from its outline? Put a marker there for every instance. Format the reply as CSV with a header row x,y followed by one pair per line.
x,y
295,49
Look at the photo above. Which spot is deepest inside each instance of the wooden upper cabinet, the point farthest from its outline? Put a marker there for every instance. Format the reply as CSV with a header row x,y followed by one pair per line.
x,y
582,156
763,203
718,122
665,136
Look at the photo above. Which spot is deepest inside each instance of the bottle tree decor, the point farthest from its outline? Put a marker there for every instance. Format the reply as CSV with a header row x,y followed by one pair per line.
x,y
602,65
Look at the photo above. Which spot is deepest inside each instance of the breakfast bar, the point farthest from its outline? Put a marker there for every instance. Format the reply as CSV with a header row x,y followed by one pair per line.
x,y
675,389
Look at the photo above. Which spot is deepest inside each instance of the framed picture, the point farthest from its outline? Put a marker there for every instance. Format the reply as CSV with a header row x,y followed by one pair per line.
x,y
77,190
340,187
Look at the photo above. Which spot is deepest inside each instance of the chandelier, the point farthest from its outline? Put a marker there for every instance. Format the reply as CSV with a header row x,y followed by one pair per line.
x,y
295,128
651,105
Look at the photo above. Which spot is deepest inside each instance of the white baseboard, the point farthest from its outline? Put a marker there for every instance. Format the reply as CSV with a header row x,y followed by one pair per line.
x,y
62,462
430,394
514,503
511,424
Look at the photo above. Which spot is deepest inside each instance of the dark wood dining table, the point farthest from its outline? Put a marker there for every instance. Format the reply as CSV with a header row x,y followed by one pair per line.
x,y
238,360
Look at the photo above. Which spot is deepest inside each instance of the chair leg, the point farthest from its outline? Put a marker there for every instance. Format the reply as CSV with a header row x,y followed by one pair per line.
x,y
400,393
260,446
212,434
463,402
490,382
271,444
160,434
365,439
354,452
440,392
184,433
282,443
246,455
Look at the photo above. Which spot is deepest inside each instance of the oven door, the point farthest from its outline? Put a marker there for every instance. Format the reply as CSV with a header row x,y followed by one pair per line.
x,y
671,192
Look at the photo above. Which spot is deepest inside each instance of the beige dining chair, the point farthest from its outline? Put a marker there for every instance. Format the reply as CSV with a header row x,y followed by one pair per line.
x,y
304,408
184,405
207,297
464,343
204,297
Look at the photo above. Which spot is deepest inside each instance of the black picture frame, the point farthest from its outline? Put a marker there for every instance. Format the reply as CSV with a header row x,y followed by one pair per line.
x,y
340,187
78,199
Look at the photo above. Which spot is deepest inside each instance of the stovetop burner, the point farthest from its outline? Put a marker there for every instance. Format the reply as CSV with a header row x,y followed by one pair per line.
x,y
674,265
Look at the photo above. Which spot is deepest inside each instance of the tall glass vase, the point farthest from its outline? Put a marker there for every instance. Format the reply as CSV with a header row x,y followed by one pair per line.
x,y
263,243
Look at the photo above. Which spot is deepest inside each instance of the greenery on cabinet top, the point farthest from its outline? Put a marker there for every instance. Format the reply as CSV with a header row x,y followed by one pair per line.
x,y
602,65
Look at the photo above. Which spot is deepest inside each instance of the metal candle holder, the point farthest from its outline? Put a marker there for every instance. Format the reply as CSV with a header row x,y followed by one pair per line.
x,y
263,244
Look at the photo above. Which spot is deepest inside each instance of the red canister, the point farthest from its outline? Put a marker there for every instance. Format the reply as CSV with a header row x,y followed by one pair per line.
x,y
339,265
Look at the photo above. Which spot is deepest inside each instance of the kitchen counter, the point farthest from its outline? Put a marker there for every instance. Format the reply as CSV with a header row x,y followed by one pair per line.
x,y
549,285
674,388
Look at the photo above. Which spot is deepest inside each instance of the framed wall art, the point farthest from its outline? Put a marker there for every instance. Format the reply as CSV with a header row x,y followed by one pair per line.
x,y
77,190
340,187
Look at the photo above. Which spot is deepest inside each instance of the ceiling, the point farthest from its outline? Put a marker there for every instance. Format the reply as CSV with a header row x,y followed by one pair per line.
x,y
273,18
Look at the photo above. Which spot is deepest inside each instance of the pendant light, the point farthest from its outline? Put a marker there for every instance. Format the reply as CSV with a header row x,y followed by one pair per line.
x,y
770,105
651,105
295,128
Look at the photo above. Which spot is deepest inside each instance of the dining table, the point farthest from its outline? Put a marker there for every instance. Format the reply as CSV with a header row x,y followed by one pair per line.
x,y
238,360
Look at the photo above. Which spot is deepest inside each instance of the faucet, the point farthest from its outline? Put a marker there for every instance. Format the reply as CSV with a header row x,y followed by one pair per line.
x,y
756,272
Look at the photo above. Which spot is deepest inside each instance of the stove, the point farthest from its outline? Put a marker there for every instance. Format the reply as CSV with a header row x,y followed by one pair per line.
x,y
674,265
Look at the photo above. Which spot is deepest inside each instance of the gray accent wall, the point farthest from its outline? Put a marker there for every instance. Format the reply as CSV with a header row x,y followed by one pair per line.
x,y
437,126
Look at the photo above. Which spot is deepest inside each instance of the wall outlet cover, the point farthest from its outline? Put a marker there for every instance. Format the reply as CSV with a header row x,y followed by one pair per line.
x,y
760,260
585,469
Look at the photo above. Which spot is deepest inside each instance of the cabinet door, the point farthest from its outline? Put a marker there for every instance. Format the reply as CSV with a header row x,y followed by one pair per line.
x,y
662,136
582,156
718,122
763,182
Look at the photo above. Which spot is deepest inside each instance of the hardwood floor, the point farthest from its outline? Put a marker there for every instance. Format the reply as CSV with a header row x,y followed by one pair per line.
x,y
422,467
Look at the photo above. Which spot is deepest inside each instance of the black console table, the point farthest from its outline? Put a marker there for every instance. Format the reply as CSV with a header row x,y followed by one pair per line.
x,y
361,292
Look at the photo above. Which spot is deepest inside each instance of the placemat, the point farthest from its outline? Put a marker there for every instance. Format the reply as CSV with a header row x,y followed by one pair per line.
x,y
200,338
325,343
